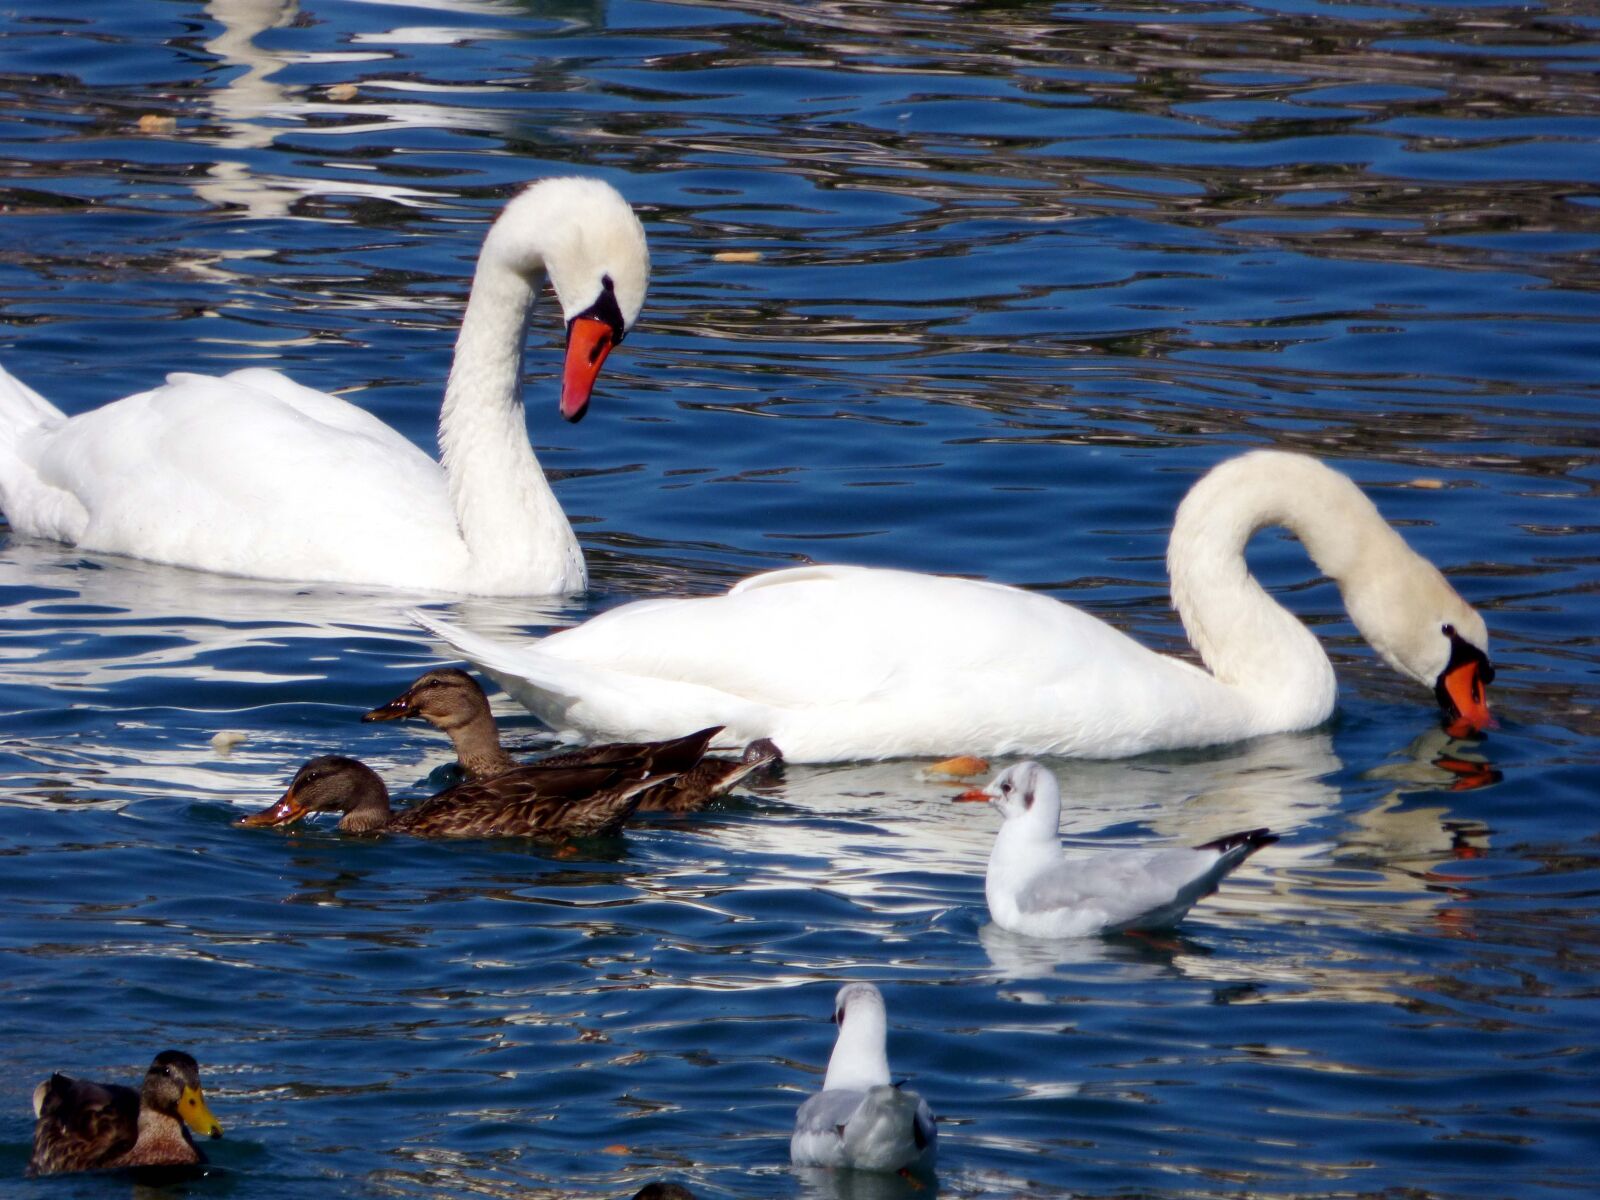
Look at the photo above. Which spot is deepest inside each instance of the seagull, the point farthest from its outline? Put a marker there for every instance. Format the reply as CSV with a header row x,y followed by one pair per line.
x,y
1033,888
859,1119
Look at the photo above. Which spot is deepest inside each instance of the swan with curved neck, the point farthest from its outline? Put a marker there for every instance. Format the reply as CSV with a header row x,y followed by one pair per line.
x,y
252,474
835,663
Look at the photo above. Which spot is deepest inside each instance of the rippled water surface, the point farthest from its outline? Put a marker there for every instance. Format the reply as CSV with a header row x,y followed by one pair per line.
x,y
971,288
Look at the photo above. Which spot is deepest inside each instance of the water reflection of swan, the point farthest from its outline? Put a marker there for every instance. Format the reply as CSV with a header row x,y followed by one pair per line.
x,y
250,109
85,631
1397,830
875,822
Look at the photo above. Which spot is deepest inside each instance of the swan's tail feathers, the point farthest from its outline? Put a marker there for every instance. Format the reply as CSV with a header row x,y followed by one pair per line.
x,y
22,408
32,505
548,686
474,647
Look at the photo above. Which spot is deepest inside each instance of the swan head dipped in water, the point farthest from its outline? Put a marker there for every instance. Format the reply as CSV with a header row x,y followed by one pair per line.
x,y
1402,604
586,238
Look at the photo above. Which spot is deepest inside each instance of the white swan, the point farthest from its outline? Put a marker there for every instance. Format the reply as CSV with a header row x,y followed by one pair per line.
x,y
1033,888
836,663
860,1119
252,474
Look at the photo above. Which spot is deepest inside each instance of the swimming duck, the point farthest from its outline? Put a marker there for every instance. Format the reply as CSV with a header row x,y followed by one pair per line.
x,y
859,1119
532,802
84,1126
452,701
253,474
838,662
1033,888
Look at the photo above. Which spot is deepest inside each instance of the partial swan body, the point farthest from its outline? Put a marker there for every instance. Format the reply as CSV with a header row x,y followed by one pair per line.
x,y
253,474
834,663
1033,888
860,1119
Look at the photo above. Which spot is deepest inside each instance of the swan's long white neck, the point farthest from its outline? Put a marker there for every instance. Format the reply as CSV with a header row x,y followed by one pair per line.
x,y
1249,640
508,515
860,1057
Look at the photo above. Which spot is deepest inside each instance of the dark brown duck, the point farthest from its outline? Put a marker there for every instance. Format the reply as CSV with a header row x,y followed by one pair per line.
x,y
452,701
85,1126
535,802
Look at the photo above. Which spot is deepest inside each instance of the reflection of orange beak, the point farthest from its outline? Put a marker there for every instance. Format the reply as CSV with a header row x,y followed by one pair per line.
x,y
286,811
396,710
588,343
1469,775
1463,686
973,796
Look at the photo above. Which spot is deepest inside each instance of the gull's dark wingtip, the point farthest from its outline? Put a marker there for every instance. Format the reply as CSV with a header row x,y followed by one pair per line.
x,y
1254,839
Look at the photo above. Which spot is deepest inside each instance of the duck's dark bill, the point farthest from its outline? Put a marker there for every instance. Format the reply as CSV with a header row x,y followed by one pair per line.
x,y
397,709
285,811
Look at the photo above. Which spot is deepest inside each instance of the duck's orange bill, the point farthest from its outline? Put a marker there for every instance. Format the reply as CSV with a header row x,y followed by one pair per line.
x,y
588,342
1463,685
972,796
285,812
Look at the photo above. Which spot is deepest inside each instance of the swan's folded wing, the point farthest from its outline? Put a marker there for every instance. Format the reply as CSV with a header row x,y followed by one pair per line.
x,y
815,637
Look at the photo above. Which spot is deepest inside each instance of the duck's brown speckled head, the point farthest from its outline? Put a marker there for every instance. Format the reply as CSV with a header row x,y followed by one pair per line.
x,y
446,698
172,1086
331,783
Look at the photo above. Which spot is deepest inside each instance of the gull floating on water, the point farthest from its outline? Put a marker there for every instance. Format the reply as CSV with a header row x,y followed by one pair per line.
x,y
860,1119
1034,888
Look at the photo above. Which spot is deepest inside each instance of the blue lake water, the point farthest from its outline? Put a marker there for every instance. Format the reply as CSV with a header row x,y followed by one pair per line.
x,y
1004,279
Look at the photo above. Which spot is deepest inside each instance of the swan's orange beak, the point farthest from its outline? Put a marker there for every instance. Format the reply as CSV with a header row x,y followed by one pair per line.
x,y
286,811
972,796
1464,699
589,340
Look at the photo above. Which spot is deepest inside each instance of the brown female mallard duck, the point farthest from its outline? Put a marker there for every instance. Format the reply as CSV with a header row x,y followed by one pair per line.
x,y
537,802
84,1126
452,701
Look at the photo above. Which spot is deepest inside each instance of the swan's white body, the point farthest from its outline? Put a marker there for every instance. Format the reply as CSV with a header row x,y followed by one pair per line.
x,y
836,663
860,1119
1033,888
253,474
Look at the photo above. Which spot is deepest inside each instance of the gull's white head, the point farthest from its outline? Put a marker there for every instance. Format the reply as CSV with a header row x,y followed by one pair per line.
x,y
860,1055
1026,795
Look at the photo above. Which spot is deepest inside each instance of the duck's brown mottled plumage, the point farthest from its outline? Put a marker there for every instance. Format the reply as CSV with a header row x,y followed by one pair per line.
x,y
536,802
452,701
86,1126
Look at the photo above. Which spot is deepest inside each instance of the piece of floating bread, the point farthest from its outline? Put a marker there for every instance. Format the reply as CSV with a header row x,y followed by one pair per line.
x,y
955,768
